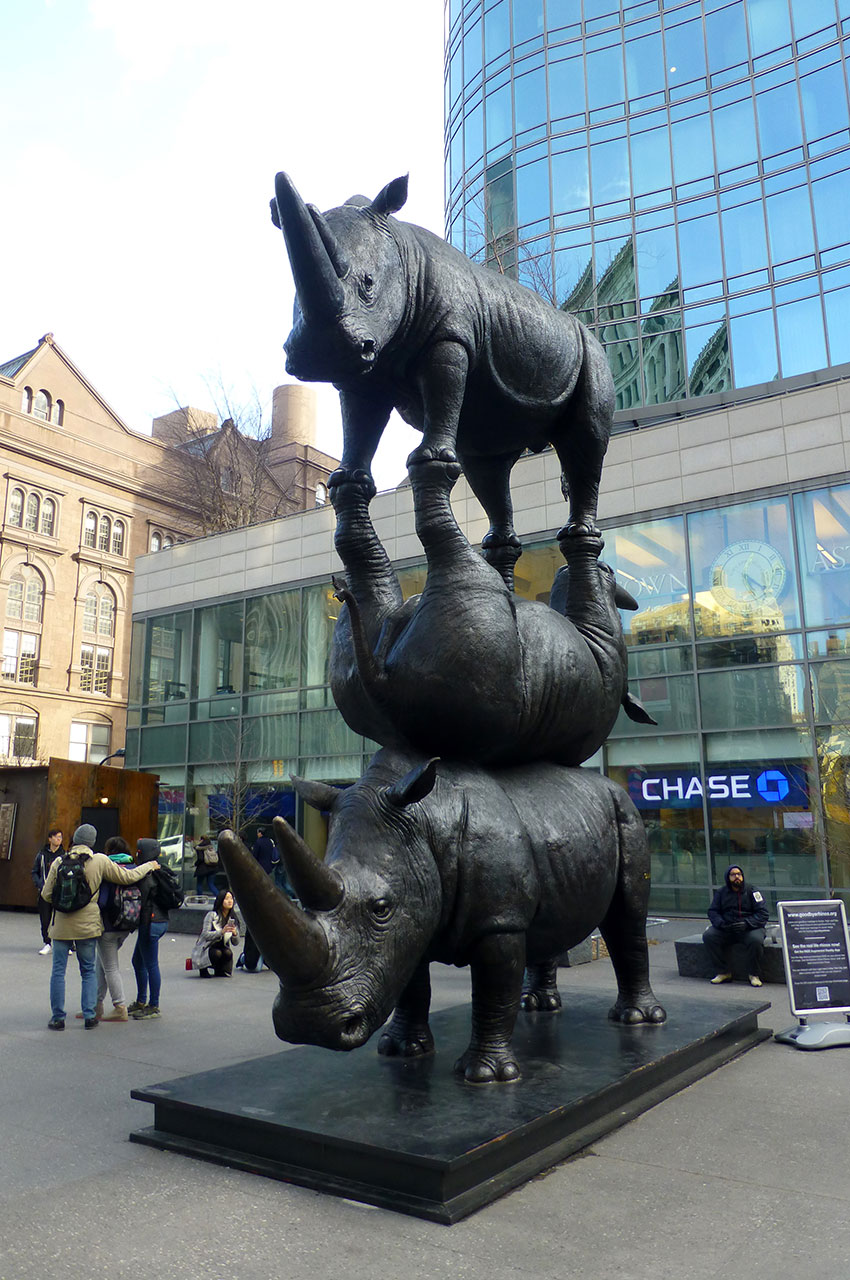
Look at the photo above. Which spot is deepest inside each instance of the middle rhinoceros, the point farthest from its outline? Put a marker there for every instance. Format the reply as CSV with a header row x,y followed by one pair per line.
x,y
468,670
495,870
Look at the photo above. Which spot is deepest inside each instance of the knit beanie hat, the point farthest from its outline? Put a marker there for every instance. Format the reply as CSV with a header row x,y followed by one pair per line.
x,y
149,850
85,834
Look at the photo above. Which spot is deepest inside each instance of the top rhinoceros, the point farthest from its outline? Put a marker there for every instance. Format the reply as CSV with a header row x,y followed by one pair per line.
x,y
485,368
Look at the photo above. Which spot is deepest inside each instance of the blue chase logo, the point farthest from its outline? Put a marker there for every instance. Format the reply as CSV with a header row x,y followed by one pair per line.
x,y
772,785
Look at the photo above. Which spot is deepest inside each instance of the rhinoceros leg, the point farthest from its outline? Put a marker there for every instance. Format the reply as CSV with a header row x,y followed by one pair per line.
x,y
440,377
497,966
370,574
624,926
490,481
540,988
364,417
408,1034
581,438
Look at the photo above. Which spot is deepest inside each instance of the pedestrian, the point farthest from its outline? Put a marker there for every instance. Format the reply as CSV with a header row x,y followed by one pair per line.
x,y
266,854
738,913
212,954
153,923
264,851
112,939
207,866
78,873
47,854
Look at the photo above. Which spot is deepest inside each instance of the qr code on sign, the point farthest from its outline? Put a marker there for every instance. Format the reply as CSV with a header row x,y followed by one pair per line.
x,y
821,994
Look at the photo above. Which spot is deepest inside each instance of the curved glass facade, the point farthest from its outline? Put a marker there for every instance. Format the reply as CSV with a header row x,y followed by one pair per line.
x,y
678,174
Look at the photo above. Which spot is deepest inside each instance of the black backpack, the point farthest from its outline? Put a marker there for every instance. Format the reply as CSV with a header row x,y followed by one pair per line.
x,y
71,890
167,893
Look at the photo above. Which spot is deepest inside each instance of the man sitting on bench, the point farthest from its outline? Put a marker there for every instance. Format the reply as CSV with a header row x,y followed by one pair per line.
x,y
737,914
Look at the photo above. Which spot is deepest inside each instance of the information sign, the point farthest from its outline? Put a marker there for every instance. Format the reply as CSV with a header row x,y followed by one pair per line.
x,y
817,956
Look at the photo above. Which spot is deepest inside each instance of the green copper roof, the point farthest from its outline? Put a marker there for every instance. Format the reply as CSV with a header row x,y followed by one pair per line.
x,y
11,367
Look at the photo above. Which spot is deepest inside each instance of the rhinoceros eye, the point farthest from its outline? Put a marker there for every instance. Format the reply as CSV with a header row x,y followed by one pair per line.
x,y
381,908
367,281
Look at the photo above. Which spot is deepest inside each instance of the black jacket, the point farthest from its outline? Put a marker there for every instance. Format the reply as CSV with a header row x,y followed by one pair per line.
x,y
43,862
728,906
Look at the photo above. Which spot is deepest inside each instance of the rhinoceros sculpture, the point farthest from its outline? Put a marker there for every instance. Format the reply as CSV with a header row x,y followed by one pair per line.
x,y
485,368
468,670
495,870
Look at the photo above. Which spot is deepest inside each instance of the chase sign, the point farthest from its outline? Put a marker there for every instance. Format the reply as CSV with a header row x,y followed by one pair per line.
x,y
739,787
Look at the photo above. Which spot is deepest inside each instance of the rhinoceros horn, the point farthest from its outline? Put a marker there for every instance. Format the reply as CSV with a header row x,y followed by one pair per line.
x,y
319,887
320,293
292,943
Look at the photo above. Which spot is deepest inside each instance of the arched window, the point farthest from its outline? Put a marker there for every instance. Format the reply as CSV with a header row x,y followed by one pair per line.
x,y
48,517
16,507
321,494
58,414
90,614
156,541
15,598
90,530
167,542
104,532
118,538
41,406
34,598
31,512
26,400
106,624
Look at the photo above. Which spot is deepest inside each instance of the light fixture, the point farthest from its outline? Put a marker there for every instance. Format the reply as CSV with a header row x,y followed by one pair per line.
x,y
119,754
104,799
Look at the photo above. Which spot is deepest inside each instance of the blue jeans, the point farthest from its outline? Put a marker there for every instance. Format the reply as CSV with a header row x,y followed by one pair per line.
x,y
146,962
86,955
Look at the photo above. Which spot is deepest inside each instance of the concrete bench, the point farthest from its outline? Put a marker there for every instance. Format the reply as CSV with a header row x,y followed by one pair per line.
x,y
693,962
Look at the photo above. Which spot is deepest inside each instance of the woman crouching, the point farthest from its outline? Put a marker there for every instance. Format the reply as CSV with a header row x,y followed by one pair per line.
x,y
212,954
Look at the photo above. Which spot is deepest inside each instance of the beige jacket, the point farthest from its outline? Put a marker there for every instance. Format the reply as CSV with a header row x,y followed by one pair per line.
x,y
87,922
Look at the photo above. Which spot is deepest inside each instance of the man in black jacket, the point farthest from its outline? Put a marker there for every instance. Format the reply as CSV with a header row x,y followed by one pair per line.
x,y
737,914
44,859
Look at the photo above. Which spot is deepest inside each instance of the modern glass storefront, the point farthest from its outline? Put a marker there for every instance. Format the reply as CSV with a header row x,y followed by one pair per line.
x,y
677,174
740,650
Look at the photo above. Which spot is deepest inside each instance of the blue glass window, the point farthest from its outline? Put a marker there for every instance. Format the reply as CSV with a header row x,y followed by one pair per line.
x,y
735,135
832,201
528,20
644,65
474,136
498,115
572,268
650,160
685,52
779,119
699,247
656,261
532,192
824,102
726,36
619,284
753,348
497,37
530,99
609,168
560,13
770,26
801,338
570,188
837,306
605,77
789,222
811,15
823,540
707,344
663,367
566,88
455,75
472,53
744,239
693,156
455,157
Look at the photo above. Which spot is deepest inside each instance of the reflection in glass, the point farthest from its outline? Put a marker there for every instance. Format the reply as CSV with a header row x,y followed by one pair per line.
x,y
824,101
685,53
778,112
769,24
709,366
166,673
497,108
663,361
699,249
726,37
833,752
750,652
650,160
605,77
754,348
496,30
693,154
789,221
823,538
217,657
649,558
801,336
749,697
319,613
837,307
529,93
570,184
532,192
657,265
644,65
735,135
831,197
272,633
566,87
609,170
744,238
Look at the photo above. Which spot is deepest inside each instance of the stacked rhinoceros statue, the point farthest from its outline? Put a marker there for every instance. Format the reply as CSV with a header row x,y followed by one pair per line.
x,y
472,838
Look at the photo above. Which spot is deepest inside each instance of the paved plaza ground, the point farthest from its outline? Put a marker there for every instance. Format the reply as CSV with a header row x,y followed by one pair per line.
x,y
746,1172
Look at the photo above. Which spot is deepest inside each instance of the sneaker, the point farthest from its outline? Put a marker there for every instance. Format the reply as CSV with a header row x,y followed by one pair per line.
x,y
721,977
118,1014
135,1006
45,950
90,1024
755,980
147,1011
56,1024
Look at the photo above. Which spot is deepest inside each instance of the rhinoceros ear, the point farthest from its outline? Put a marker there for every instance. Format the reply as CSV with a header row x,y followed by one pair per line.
x,y
414,786
319,795
392,198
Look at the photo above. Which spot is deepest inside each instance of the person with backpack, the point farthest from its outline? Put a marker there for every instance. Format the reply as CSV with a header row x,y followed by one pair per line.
x,y
120,909
72,886
161,893
52,849
207,867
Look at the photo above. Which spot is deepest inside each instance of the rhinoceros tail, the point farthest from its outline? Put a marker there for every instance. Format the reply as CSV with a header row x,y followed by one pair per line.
x,y
372,675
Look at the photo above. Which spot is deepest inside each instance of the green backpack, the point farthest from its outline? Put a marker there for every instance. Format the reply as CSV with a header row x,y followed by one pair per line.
x,y
71,890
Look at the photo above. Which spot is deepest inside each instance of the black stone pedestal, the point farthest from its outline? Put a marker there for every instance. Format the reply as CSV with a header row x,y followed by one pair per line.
x,y
411,1136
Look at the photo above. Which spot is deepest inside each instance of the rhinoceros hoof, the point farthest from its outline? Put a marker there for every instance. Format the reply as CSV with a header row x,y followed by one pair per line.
x,y
425,453
492,1066
410,1045
542,1001
361,479
501,542
632,1013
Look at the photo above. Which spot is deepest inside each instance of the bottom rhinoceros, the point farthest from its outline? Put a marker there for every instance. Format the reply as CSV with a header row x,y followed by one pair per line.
x,y
439,861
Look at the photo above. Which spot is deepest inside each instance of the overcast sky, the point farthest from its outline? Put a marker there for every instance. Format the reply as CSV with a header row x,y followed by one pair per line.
x,y
140,143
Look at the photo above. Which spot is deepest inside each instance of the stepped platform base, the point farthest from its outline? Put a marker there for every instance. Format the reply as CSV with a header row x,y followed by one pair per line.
x,y
408,1135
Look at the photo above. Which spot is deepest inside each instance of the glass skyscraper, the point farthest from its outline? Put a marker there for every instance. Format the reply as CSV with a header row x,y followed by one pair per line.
x,y
677,174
